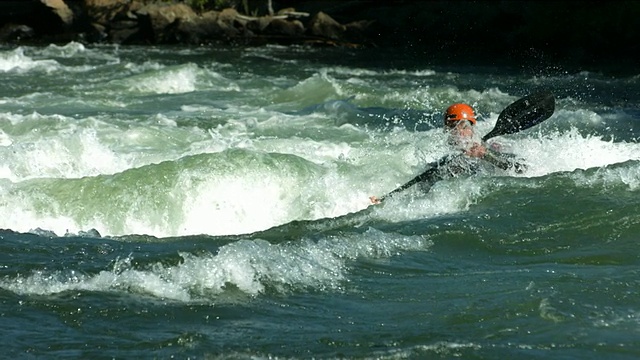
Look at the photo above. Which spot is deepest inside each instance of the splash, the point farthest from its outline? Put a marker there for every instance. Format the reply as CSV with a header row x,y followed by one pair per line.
x,y
17,61
252,267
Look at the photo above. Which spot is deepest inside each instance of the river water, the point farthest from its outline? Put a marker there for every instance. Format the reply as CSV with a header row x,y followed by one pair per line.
x,y
212,203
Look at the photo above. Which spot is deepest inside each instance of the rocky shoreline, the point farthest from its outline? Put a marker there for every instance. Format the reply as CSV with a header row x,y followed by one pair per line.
x,y
131,22
593,34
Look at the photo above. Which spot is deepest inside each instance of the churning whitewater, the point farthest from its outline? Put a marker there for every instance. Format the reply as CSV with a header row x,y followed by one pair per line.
x,y
200,202
105,141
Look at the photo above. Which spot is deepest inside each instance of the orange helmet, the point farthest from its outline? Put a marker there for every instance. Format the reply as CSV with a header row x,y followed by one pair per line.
x,y
457,112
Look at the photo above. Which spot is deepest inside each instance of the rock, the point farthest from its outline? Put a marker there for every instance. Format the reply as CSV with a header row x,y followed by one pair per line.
x,y
61,9
13,32
197,30
359,31
230,24
96,33
259,24
210,26
293,28
207,24
164,22
159,16
121,31
103,11
323,25
108,20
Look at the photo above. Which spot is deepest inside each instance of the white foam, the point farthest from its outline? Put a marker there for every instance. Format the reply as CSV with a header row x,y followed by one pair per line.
x,y
230,205
168,81
227,110
69,50
56,146
16,60
570,150
250,266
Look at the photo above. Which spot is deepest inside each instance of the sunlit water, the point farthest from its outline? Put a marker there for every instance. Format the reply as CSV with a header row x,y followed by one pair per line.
x,y
213,203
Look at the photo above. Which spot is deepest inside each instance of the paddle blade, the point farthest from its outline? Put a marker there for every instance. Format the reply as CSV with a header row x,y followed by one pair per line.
x,y
529,111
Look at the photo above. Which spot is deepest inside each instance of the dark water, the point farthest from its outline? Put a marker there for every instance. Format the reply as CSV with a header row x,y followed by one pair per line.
x,y
213,203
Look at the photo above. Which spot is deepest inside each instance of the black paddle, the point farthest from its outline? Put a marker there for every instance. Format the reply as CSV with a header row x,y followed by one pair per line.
x,y
526,112
529,111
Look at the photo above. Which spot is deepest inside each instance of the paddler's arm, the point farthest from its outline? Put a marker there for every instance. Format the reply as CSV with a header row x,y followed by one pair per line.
x,y
430,176
501,161
496,158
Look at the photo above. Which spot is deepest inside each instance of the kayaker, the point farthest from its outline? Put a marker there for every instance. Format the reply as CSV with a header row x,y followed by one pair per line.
x,y
459,122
